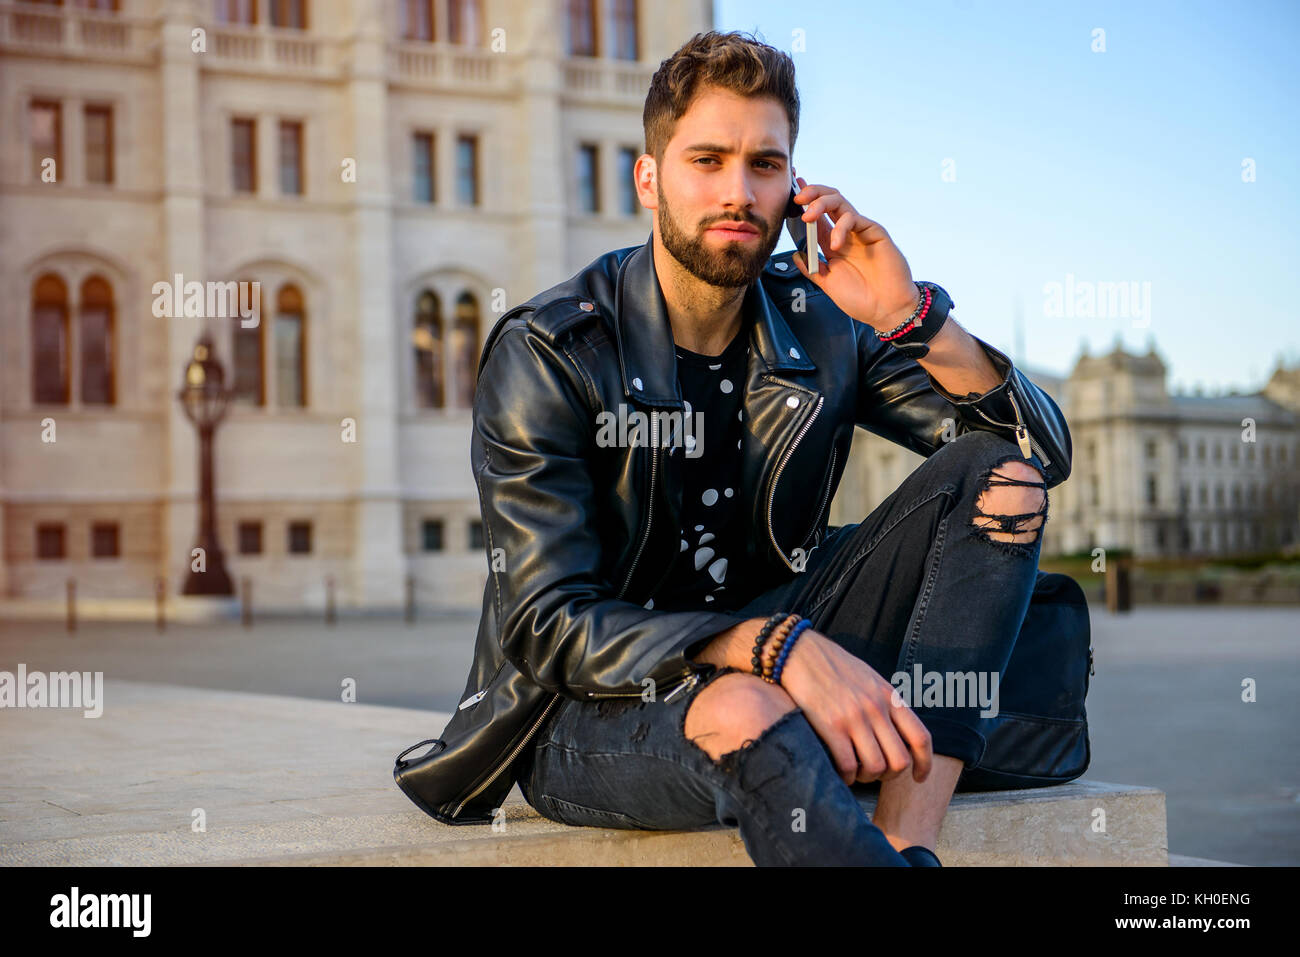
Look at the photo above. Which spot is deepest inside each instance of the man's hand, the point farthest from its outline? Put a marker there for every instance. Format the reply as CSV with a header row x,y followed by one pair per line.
x,y
871,733
864,274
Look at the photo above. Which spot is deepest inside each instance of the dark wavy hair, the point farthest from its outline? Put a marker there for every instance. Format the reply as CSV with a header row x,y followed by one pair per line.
x,y
734,61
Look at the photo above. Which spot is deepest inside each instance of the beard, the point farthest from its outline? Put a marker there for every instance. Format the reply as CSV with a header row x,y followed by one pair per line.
x,y
730,265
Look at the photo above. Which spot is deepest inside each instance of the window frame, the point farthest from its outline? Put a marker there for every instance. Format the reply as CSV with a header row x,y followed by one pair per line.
x,y
475,139
587,151
59,140
429,154
109,148
100,526
299,127
251,123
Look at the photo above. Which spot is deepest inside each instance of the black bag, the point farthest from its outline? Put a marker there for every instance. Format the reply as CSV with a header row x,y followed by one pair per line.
x,y
1040,735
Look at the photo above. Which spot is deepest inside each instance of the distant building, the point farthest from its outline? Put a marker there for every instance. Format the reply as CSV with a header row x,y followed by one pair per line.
x,y
1162,474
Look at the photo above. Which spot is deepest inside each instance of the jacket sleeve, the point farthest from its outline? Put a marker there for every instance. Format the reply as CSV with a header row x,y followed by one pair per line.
x,y
561,622
899,400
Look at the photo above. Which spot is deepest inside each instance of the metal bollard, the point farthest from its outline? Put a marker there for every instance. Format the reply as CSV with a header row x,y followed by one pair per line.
x,y
1118,594
160,596
331,616
247,610
410,599
72,605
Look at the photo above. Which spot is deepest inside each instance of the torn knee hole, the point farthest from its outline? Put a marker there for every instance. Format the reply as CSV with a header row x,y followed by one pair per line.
x,y
1021,528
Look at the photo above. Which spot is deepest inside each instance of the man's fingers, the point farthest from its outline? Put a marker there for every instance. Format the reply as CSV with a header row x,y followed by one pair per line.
x,y
841,748
895,751
917,737
871,763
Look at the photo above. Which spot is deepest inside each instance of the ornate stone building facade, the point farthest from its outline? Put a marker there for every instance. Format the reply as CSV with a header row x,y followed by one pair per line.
x,y
393,174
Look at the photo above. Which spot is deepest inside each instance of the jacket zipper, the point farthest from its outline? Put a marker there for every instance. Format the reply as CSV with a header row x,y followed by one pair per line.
x,y
830,477
654,462
1023,438
689,678
509,758
780,467
650,508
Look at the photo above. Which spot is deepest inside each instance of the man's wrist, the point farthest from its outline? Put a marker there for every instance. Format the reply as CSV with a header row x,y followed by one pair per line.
x,y
734,647
895,320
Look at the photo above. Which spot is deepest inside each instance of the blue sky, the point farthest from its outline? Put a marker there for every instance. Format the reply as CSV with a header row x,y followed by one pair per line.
x,y
1116,166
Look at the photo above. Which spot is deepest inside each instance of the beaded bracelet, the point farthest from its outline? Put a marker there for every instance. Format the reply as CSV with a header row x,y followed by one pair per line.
x,y
775,644
779,637
918,314
803,625
771,623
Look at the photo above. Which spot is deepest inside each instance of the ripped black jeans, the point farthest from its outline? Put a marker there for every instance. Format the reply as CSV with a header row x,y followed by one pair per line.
x,y
935,579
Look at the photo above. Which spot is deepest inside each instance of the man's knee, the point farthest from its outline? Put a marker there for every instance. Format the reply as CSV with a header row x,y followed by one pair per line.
x,y
1012,505
733,709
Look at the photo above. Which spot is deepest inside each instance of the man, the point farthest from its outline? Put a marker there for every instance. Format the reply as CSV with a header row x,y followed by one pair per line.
x,y
629,560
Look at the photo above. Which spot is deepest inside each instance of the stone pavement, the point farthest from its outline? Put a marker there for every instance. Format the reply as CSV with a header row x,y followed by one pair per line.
x,y
288,780
1165,709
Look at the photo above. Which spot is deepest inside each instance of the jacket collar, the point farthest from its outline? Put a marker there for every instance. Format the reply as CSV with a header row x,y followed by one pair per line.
x,y
646,354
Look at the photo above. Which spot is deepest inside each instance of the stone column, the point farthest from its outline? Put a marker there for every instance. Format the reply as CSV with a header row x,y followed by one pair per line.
x,y
540,162
182,252
378,557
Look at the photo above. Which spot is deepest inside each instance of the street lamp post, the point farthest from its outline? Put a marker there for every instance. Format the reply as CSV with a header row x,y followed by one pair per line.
x,y
203,397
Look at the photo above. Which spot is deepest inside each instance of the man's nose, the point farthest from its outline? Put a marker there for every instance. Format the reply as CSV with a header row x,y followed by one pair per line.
x,y
739,196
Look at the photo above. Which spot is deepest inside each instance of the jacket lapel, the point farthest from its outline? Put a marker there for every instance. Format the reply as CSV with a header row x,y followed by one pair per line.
x,y
648,367
647,360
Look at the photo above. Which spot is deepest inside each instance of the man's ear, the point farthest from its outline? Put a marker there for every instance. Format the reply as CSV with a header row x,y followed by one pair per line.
x,y
647,162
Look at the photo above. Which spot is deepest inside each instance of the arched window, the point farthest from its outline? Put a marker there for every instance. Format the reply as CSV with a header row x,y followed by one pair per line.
x,y
96,346
50,340
426,342
465,349
290,348
248,350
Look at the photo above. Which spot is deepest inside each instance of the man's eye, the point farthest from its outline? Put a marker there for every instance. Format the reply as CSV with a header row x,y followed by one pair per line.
x,y
766,163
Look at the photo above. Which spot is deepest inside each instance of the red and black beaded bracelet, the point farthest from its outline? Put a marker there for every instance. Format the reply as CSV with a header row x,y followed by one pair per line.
x,y
916,318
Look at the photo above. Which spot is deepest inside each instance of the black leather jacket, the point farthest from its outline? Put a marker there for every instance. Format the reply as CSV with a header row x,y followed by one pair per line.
x,y
579,535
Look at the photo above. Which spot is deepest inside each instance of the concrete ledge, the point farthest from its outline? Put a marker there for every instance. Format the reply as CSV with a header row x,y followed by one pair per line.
x,y
293,781
177,608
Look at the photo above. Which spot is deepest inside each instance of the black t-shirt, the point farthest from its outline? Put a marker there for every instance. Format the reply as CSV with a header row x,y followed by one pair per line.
x,y
712,534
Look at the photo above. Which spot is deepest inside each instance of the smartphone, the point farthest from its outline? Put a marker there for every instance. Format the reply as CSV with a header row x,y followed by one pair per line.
x,y
803,234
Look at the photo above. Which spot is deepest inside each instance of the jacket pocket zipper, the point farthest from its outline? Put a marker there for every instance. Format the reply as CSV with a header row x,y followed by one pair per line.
x,y
509,758
689,678
1023,438
830,477
771,499
650,507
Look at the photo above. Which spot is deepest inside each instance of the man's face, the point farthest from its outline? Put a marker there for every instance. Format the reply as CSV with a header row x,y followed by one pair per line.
x,y
727,163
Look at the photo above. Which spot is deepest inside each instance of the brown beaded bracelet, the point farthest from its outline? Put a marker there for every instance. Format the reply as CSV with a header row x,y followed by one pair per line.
x,y
771,623
780,634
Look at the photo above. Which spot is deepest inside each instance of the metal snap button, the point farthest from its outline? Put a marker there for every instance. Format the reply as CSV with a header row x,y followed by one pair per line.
x,y
783,266
637,382
792,402
794,353
586,306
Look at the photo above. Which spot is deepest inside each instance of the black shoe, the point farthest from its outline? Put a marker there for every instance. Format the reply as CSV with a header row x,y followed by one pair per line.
x,y
919,856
